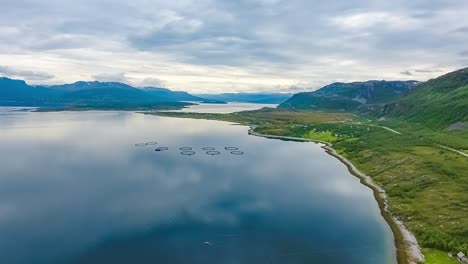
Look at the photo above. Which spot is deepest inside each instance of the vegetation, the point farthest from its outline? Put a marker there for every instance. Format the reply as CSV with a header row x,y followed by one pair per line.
x,y
436,103
327,136
438,257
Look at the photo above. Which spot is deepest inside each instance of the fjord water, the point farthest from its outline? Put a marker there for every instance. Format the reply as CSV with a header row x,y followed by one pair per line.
x,y
75,189
223,108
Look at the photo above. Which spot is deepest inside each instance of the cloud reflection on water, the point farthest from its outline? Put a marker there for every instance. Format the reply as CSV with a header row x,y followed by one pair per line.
x,y
77,181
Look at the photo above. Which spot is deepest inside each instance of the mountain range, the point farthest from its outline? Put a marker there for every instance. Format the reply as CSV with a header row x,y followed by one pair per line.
x,y
438,102
17,92
349,96
98,94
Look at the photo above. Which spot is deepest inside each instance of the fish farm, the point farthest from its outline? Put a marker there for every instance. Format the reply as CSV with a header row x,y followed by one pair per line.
x,y
189,151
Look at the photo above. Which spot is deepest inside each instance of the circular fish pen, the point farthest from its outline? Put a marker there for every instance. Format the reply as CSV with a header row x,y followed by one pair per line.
x,y
231,148
237,152
208,148
161,148
140,145
152,143
213,152
187,153
185,148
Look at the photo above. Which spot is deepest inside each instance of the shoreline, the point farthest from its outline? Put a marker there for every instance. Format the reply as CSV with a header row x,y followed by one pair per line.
x,y
407,248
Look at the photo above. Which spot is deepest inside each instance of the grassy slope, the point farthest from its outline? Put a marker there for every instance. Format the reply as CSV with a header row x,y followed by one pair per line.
x,y
441,108
438,257
436,103
426,184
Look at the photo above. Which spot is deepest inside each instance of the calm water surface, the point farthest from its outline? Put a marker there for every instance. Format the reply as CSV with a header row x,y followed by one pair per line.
x,y
224,108
74,188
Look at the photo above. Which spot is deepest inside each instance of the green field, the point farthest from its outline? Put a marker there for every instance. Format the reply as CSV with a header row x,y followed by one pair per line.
x,y
426,184
438,257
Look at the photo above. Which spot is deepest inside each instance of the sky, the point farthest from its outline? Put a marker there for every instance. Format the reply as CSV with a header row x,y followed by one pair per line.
x,y
207,46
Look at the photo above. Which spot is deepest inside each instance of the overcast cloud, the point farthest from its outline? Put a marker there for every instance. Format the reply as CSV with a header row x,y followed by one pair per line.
x,y
224,46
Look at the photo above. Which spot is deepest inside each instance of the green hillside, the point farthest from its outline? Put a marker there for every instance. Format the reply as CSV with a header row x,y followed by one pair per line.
x,y
437,103
348,96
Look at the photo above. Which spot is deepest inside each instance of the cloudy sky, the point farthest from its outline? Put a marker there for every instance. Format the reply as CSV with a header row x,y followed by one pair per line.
x,y
223,46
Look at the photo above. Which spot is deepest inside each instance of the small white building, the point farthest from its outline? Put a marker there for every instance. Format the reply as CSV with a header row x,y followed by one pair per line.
x,y
462,258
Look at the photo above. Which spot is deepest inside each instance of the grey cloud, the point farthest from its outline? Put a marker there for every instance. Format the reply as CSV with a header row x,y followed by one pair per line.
x,y
153,82
62,42
293,89
463,53
24,74
226,40
421,71
122,77
294,40
428,70
111,77
406,72
212,48
461,30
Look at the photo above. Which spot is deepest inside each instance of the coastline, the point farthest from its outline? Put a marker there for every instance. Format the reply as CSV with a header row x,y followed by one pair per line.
x,y
407,248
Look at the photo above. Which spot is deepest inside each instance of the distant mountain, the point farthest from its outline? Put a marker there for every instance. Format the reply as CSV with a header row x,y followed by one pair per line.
x,y
99,96
82,85
439,102
259,98
349,96
111,90
17,92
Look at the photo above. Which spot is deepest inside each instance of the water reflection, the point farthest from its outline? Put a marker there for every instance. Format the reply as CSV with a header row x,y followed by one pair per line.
x,y
75,189
224,108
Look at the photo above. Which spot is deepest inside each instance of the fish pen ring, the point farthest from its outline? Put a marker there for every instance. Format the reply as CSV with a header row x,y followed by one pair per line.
x,y
161,148
185,148
213,152
231,148
208,148
188,152
236,152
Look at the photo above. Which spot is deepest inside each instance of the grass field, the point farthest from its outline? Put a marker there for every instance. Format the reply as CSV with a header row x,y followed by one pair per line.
x,y
426,185
438,257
